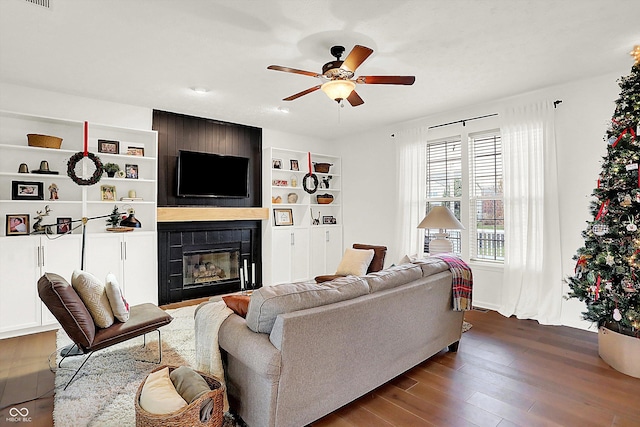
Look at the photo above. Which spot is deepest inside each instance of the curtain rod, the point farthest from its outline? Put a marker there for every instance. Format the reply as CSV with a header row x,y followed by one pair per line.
x,y
464,121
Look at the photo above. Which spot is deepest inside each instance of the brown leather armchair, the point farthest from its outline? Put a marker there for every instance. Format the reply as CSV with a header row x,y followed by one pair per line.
x,y
377,263
67,307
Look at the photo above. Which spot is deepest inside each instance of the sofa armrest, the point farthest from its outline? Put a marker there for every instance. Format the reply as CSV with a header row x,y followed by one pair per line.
x,y
251,348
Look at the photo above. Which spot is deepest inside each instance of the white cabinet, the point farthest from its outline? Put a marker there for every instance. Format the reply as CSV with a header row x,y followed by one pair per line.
x,y
23,260
290,251
326,250
126,255
316,227
133,150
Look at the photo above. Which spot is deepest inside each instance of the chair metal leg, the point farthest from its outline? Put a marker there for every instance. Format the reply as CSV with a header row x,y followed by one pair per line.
x,y
144,344
77,370
89,355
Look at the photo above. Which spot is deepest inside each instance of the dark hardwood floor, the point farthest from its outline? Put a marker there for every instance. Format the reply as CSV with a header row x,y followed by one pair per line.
x,y
507,372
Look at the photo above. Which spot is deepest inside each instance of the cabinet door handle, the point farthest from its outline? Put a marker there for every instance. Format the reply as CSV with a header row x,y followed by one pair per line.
x,y
293,239
42,249
39,260
326,237
123,250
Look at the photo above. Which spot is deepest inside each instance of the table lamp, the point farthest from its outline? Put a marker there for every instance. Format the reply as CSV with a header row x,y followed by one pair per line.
x,y
442,218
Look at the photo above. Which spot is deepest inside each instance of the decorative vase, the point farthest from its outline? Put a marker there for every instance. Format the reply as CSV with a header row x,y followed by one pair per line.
x,y
621,352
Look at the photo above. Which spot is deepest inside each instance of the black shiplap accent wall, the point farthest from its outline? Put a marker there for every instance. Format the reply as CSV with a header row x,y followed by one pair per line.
x,y
182,132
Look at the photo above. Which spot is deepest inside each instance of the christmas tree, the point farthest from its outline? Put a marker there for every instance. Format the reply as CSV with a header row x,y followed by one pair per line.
x,y
607,274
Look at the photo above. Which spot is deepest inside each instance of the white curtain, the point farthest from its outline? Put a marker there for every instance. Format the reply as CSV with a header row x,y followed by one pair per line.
x,y
532,284
411,165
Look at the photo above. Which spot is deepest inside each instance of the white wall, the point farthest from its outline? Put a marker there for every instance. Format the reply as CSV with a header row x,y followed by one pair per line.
x,y
39,102
581,121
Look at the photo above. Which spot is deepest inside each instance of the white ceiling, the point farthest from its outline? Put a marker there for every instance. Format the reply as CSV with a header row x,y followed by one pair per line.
x,y
151,52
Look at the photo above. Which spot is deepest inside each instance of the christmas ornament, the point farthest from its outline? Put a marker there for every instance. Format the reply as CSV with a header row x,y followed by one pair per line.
x,y
616,315
626,201
600,229
627,286
610,260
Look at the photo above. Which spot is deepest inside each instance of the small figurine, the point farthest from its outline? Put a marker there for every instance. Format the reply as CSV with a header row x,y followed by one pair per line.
x,y
53,191
37,227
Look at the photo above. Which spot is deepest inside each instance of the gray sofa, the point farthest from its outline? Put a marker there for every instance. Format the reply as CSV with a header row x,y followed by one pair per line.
x,y
306,349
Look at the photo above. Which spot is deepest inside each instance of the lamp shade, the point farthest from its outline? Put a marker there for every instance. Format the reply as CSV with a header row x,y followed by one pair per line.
x,y
338,89
441,217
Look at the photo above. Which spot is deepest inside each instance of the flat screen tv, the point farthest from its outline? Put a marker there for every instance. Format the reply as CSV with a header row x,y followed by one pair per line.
x,y
212,175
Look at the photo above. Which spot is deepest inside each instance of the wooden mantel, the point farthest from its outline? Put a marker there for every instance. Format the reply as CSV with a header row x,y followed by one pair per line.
x,y
184,214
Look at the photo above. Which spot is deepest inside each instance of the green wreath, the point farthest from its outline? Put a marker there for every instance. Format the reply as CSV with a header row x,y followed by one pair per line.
x,y
71,169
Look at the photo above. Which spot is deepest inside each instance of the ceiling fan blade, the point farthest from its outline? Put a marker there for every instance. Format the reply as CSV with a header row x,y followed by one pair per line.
x,y
356,57
354,99
293,70
386,80
304,92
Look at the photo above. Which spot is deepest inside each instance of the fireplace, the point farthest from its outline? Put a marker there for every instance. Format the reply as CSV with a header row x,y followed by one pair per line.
x,y
209,266
203,258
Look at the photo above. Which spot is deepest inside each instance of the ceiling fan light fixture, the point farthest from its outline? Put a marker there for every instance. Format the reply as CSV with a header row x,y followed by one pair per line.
x,y
338,89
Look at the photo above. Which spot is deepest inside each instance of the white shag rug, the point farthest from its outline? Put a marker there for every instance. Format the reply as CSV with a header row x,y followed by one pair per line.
x,y
103,392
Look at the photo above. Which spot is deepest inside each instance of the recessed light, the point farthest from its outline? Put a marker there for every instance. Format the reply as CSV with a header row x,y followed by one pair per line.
x,y
283,110
200,90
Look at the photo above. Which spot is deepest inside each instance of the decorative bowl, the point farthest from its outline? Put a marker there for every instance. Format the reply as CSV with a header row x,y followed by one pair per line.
x,y
44,141
322,167
324,199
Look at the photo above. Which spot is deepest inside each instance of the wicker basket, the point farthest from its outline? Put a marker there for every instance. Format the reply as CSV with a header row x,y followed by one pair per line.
x,y
324,199
45,141
322,167
190,414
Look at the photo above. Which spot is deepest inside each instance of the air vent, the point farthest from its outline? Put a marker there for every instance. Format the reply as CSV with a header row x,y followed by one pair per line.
x,y
43,3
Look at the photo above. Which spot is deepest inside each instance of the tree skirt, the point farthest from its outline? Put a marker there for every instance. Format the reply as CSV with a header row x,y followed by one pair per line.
x,y
103,392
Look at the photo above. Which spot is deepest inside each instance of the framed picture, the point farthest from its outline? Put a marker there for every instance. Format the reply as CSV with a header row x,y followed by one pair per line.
x,y
276,163
329,219
108,192
64,225
26,190
283,216
131,171
294,165
135,151
18,225
106,146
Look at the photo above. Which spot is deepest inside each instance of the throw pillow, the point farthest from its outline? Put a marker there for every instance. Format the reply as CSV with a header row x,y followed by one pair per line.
x,y
238,303
94,296
188,383
159,396
119,305
355,262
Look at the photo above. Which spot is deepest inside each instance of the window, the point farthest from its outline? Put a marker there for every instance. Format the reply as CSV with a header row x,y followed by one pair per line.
x,y
444,184
487,216
468,176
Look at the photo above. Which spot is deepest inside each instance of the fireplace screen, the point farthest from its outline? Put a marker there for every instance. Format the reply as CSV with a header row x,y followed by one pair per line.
x,y
207,267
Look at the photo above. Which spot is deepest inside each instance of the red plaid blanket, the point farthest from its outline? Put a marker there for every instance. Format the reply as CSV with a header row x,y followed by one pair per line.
x,y
462,282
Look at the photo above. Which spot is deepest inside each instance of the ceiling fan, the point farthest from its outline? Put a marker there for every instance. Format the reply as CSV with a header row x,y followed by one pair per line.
x,y
338,75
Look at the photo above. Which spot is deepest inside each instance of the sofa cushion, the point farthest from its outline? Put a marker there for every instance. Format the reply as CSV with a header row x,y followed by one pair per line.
x,y
94,296
430,265
393,276
377,263
159,395
238,303
119,305
270,301
355,262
